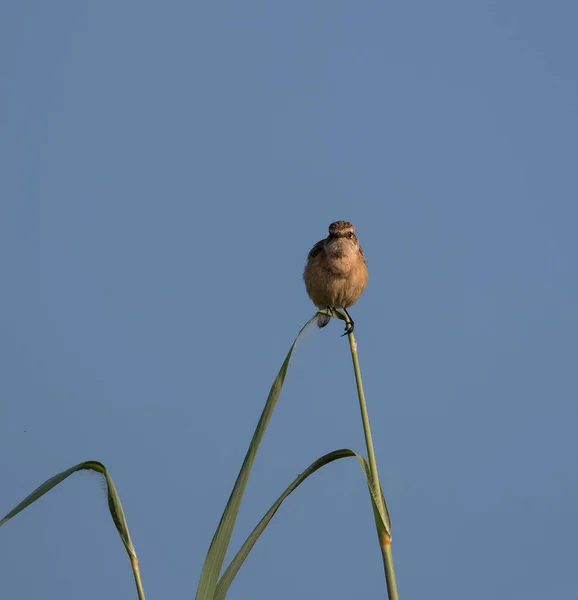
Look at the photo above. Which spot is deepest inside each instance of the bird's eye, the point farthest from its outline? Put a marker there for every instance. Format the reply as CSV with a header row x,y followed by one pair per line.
x,y
351,235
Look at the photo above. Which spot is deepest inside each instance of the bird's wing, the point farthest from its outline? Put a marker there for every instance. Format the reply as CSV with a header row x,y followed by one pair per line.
x,y
316,250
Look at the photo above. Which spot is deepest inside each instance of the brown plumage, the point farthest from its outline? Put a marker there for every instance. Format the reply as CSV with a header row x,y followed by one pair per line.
x,y
336,273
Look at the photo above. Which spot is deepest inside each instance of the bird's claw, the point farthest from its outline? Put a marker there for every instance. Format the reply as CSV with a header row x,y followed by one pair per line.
x,y
349,324
348,329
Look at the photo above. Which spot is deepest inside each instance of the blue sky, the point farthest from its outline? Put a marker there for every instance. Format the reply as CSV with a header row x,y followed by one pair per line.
x,y
166,167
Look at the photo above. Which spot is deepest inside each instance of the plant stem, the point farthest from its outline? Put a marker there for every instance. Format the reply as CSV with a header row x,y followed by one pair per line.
x,y
384,537
364,415
388,567
137,579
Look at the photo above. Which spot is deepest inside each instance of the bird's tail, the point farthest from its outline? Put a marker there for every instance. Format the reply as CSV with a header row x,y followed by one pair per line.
x,y
323,320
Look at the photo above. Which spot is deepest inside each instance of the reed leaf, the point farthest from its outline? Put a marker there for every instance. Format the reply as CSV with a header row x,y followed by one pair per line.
x,y
114,506
234,566
218,548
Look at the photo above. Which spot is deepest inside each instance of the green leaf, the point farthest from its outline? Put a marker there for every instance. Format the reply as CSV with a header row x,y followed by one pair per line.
x,y
114,506
239,559
218,548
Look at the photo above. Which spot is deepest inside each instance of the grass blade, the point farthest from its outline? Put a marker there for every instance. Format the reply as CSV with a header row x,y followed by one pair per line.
x,y
218,548
114,506
239,559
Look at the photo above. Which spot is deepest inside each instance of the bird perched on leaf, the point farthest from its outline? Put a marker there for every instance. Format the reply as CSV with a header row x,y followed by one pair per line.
x,y
336,272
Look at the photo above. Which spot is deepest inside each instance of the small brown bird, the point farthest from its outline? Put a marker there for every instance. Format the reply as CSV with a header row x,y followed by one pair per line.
x,y
336,274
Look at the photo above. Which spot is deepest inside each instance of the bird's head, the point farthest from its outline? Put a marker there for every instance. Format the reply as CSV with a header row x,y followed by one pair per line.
x,y
342,239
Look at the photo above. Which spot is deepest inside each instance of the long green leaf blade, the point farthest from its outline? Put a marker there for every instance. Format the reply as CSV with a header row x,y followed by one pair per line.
x,y
218,548
114,506
239,558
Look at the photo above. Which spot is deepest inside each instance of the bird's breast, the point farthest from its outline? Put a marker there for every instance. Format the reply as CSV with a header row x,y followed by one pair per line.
x,y
337,282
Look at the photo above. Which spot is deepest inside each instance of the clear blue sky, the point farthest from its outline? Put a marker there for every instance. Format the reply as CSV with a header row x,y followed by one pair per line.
x,y
166,168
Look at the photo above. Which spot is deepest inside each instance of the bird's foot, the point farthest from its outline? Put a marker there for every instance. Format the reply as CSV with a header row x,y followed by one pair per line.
x,y
349,325
348,329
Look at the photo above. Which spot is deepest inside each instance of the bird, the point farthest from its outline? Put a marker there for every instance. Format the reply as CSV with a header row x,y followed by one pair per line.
x,y
336,274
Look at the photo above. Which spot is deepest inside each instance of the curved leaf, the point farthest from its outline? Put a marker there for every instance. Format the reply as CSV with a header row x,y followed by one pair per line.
x,y
218,548
114,506
233,568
